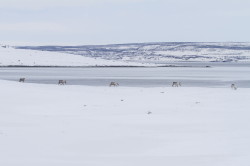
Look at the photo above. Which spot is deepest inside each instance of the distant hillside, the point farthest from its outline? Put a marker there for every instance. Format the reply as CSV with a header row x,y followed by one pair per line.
x,y
159,52
10,56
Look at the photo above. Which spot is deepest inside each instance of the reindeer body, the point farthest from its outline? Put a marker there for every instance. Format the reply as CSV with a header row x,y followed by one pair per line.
x,y
21,79
233,86
176,84
113,84
62,82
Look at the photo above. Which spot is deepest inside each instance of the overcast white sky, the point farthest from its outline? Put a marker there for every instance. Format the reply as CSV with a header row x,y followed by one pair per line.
x,y
81,22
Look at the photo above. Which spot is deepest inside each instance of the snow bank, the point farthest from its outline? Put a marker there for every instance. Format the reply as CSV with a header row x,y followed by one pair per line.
x,y
101,126
18,57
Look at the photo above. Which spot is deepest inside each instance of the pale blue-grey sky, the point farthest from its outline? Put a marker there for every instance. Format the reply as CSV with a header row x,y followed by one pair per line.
x,y
81,22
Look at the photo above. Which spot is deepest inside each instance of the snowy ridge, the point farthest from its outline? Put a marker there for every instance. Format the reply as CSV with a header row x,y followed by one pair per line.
x,y
10,56
160,52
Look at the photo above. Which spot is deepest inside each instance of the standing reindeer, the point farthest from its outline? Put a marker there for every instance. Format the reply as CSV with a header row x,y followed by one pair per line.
x,y
62,82
113,84
21,79
233,86
176,84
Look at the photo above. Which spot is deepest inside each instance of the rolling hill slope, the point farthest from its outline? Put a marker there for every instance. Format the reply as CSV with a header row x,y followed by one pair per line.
x,y
159,52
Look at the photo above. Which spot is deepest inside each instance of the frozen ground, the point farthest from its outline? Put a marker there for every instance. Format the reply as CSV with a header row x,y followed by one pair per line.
x,y
214,76
101,126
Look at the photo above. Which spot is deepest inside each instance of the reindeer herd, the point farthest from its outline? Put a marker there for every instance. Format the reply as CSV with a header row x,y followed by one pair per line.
x,y
115,84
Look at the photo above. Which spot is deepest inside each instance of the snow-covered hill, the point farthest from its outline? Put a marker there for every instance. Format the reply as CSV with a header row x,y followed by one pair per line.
x,y
124,54
160,52
10,56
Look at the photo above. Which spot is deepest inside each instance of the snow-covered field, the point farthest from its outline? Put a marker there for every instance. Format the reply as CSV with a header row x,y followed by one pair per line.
x,y
123,126
10,56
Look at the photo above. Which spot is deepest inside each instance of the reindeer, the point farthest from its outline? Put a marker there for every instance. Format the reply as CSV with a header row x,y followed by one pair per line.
x,y
233,86
113,84
21,79
62,82
176,84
